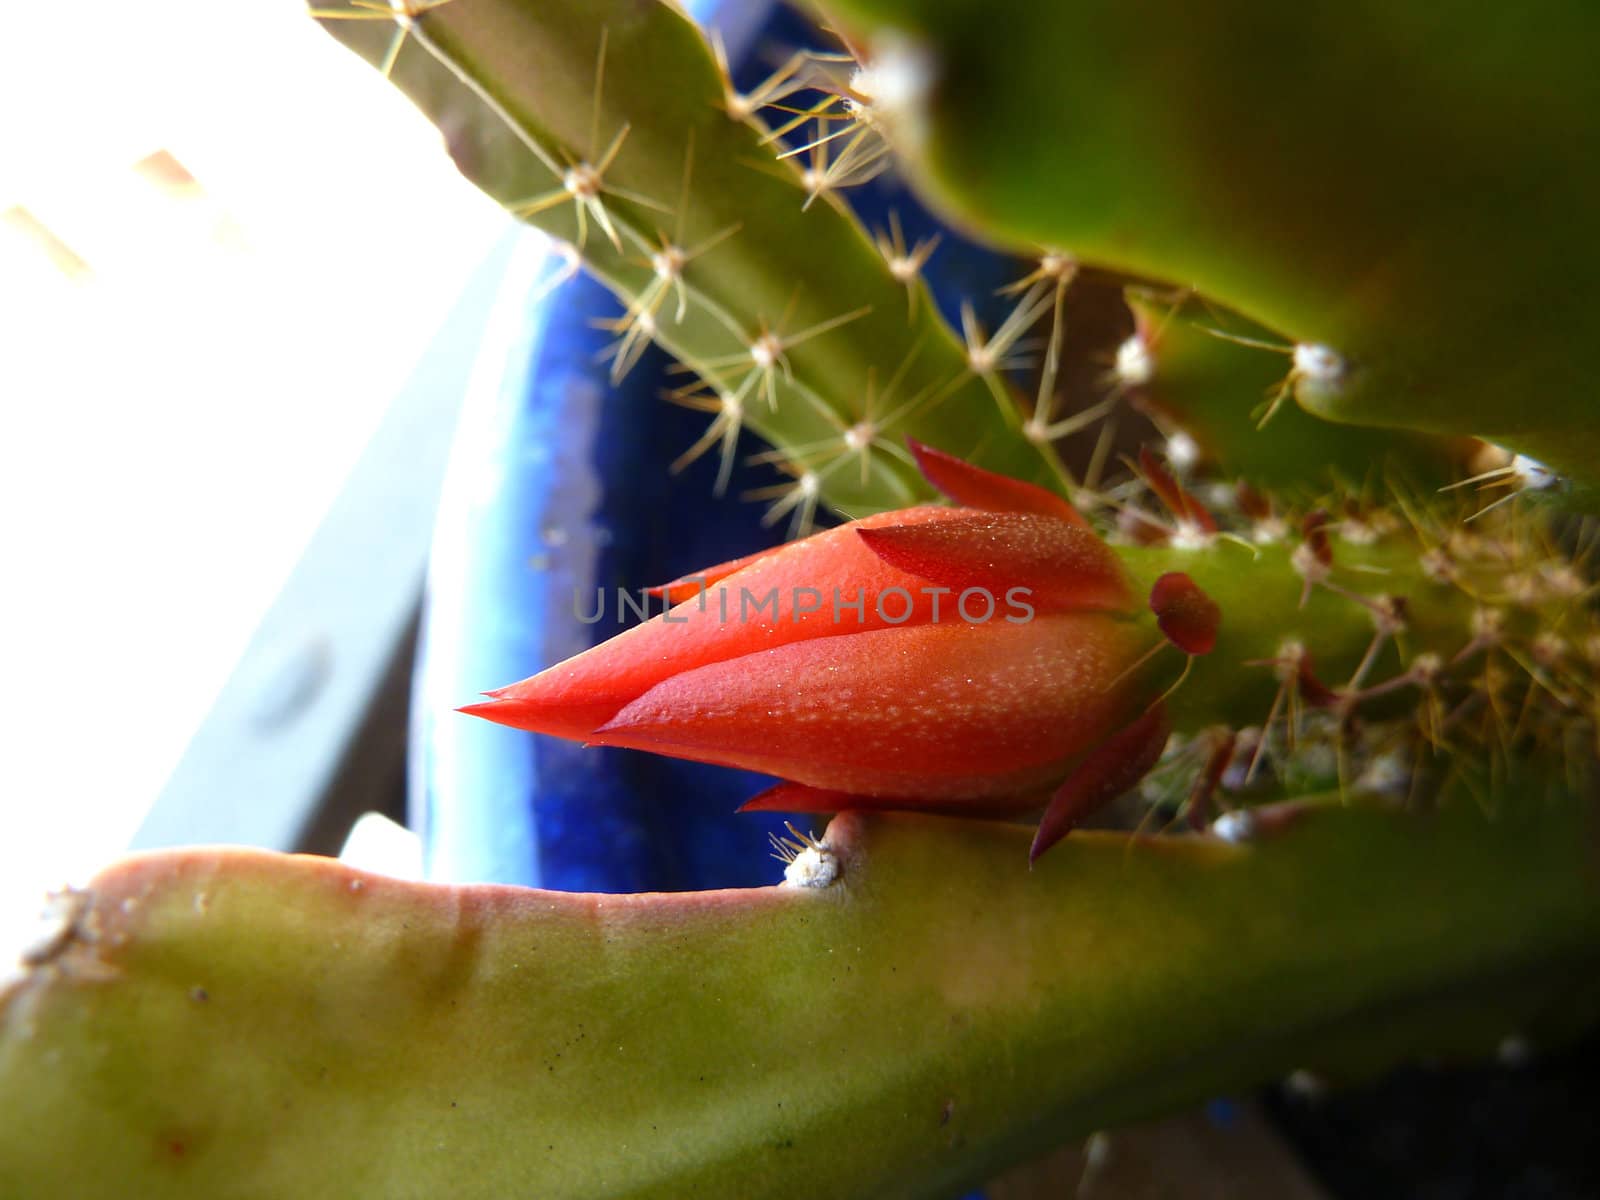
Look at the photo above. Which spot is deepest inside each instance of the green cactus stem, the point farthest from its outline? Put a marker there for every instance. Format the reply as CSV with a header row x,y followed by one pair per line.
x,y
1388,613
1200,375
1399,190
524,89
231,1023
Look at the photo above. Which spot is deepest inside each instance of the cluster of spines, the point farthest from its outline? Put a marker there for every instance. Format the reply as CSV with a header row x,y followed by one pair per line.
x,y
1420,716
817,117
834,103
828,124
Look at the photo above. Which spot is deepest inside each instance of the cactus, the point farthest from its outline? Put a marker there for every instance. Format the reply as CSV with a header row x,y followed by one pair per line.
x,y
217,1024
1215,390
1369,630
787,313
1391,183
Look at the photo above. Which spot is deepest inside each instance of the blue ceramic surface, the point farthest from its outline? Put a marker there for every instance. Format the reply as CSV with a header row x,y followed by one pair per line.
x,y
563,490
559,489
560,485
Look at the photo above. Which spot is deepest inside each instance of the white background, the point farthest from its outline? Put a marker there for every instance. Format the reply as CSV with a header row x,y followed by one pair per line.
x,y
174,421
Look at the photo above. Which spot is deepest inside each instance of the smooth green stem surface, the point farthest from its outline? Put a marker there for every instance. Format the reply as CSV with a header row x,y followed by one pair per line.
x,y
223,1023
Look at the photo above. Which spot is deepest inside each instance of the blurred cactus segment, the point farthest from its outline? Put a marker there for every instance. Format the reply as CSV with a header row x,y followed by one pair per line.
x,y
227,1024
1225,385
1397,189
608,124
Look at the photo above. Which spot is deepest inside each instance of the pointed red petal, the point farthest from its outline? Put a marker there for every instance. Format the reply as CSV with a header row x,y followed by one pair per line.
x,y
1179,502
501,712
782,596
802,798
1105,773
687,587
976,488
1184,612
798,798
1059,567
927,712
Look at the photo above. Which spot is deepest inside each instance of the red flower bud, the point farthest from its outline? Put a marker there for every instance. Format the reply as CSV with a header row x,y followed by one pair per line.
x,y
961,659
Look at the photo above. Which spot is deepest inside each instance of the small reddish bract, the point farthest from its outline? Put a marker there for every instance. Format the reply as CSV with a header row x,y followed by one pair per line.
x,y
1185,614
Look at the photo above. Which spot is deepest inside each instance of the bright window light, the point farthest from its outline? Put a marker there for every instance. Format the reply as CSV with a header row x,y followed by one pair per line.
x,y
224,241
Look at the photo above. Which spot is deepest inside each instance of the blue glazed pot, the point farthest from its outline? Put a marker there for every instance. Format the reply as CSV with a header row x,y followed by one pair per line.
x,y
560,486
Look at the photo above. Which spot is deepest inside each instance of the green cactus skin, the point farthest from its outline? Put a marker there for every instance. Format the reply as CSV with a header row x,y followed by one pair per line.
x,y
499,76
1407,184
1259,592
232,1023
1218,391
502,76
